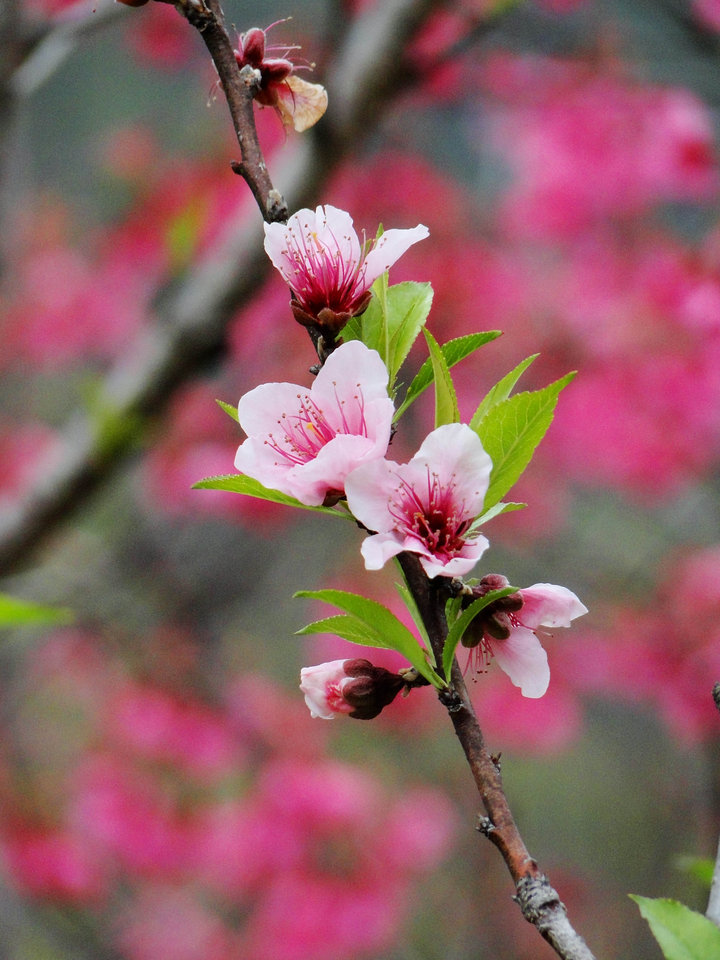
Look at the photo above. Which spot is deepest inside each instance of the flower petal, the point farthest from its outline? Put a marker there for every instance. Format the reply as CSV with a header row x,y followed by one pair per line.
x,y
549,605
524,660
389,248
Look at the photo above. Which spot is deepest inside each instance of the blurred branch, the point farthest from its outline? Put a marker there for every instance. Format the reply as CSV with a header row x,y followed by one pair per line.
x,y
190,325
537,899
52,43
713,907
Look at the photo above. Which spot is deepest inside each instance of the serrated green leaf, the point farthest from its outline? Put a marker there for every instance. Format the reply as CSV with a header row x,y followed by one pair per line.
x,y
501,391
229,409
454,351
459,626
377,622
19,613
446,405
408,306
392,321
347,627
239,483
682,933
510,432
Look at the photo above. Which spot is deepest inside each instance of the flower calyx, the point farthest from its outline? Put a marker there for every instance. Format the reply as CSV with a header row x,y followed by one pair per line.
x,y
495,619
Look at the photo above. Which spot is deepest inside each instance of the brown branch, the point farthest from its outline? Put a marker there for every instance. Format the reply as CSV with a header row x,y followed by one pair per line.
x,y
538,901
240,87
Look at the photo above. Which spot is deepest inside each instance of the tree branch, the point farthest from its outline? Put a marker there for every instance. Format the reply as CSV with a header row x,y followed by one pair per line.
x,y
537,899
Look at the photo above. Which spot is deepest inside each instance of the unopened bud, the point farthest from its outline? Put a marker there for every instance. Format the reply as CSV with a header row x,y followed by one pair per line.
x,y
252,47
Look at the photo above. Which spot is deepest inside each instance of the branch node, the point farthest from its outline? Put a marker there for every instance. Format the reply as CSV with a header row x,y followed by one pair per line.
x,y
276,208
251,77
451,700
485,826
716,693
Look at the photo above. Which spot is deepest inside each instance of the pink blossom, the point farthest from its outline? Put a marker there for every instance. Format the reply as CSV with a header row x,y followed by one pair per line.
x,y
356,687
509,633
322,261
305,442
426,506
322,686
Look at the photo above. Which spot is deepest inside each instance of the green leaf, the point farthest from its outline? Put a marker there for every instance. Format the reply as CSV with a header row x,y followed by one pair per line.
x,y
371,624
495,511
682,933
408,307
229,409
392,321
239,483
700,868
510,432
409,601
459,626
501,391
446,405
18,613
454,351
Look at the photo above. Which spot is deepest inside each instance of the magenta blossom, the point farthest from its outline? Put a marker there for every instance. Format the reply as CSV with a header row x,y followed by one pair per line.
x,y
356,687
508,630
426,506
328,271
304,442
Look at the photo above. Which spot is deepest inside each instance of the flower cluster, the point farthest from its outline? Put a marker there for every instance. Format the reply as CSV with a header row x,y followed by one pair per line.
x,y
327,445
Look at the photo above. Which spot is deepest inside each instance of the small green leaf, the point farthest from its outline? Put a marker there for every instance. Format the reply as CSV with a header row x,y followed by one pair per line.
x,y
510,432
239,483
372,624
459,626
446,405
698,867
682,933
408,307
392,321
495,511
454,351
18,613
229,409
501,391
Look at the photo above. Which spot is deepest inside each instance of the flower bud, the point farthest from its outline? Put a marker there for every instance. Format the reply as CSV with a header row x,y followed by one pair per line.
x,y
252,48
495,620
355,687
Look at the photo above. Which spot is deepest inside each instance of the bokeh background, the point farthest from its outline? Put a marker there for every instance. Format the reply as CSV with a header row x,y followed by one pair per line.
x,y
163,793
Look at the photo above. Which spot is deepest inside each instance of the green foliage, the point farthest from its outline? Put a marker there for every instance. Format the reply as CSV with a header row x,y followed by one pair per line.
x,y
460,625
700,868
371,624
392,321
682,933
454,351
229,409
20,613
501,391
239,483
446,405
510,431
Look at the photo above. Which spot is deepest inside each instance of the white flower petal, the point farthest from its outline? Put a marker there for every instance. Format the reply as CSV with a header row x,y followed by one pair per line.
x,y
524,660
